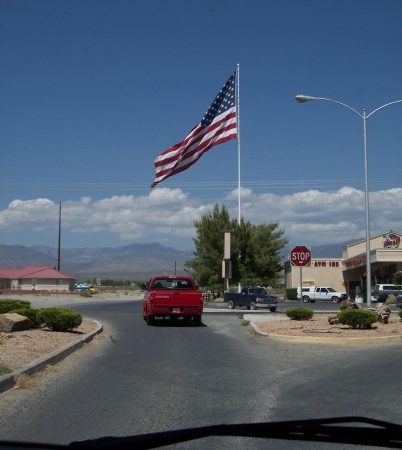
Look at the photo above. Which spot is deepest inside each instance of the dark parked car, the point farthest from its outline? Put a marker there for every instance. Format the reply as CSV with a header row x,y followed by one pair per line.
x,y
251,298
381,291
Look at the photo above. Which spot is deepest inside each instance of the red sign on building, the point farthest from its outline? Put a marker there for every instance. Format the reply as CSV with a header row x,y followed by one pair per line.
x,y
326,263
391,240
300,256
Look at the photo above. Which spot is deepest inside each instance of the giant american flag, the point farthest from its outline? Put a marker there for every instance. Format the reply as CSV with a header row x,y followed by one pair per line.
x,y
217,126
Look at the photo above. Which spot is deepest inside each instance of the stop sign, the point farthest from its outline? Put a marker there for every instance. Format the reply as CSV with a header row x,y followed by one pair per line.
x,y
300,256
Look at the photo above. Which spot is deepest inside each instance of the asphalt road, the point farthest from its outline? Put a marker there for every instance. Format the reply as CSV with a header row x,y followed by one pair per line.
x,y
137,379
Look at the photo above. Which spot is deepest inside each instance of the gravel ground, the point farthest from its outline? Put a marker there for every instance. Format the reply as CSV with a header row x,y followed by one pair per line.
x,y
23,347
319,326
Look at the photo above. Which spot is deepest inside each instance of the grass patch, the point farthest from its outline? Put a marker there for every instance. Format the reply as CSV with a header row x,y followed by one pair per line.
x,y
4,370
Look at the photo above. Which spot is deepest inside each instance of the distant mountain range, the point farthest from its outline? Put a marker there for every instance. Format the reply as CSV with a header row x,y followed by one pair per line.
x,y
137,261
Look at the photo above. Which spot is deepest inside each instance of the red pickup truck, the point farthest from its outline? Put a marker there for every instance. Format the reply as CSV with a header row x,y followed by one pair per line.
x,y
172,297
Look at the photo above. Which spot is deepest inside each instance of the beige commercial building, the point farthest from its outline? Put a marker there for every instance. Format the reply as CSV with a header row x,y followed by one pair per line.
x,y
321,272
349,272
385,257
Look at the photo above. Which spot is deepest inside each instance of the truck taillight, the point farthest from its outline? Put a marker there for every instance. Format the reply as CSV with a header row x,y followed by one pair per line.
x,y
152,297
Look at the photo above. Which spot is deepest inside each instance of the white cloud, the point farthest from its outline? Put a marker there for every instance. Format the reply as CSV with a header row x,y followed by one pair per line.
x,y
310,217
245,193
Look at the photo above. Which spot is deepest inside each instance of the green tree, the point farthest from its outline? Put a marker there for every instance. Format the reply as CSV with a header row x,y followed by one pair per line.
x,y
255,250
207,265
259,254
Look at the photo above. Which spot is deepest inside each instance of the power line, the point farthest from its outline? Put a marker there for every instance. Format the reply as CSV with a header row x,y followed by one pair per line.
x,y
212,185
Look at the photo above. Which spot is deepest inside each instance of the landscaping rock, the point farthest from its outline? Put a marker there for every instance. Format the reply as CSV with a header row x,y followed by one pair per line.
x,y
10,322
383,312
333,320
348,304
391,299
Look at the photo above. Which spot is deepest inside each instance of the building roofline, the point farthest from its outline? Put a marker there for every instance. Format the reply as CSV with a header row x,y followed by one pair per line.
x,y
372,237
32,272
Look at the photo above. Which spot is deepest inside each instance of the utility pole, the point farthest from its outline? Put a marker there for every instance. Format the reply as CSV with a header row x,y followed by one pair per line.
x,y
58,250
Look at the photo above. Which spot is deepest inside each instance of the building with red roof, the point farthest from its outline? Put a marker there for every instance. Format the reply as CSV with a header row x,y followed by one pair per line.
x,y
36,278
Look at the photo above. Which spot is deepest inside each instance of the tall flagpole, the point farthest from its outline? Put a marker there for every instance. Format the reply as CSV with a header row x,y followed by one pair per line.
x,y
238,138
238,150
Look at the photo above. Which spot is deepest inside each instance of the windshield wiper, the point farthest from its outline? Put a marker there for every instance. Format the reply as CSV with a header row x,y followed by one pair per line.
x,y
334,430
341,430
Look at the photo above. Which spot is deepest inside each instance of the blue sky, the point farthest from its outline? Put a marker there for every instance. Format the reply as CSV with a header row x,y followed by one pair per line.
x,y
92,91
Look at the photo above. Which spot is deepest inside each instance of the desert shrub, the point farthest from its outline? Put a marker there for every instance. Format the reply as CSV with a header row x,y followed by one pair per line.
x,y
85,293
357,318
60,319
400,314
31,314
8,305
291,294
300,313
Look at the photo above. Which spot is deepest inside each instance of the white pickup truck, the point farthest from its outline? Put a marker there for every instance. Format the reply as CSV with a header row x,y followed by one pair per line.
x,y
313,293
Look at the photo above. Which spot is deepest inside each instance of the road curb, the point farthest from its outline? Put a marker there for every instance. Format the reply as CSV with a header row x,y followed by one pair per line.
x,y
327,340
8,381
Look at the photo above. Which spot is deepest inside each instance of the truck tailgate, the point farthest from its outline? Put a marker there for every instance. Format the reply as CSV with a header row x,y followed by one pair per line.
x,y
177,298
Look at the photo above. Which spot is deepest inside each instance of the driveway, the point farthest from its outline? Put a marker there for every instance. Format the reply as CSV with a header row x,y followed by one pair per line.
x,y
137,379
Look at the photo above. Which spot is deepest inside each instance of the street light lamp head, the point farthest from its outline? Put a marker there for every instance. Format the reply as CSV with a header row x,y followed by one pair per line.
x,y
304,98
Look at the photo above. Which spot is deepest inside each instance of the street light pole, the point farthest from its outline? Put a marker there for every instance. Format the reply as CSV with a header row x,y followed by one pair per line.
x,y
367,210
364,117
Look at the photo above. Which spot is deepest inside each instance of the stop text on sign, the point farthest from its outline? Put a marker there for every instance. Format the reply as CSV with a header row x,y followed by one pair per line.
x,y
300,256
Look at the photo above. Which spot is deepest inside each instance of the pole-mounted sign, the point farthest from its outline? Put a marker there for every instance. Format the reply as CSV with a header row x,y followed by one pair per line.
x,y
300,256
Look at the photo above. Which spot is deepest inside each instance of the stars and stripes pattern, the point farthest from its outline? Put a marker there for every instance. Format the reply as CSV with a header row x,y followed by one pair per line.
x,y
218,125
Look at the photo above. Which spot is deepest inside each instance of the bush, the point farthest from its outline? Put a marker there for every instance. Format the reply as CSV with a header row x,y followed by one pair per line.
x,y
300,313
400,314
86,293
8,305
357,318
60,319
291,294
31,314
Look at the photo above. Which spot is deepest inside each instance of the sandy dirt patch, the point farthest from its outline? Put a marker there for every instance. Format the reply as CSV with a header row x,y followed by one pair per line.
x,y
319,326
23,347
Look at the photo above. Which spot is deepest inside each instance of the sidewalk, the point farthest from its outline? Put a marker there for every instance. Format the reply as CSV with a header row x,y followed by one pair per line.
x,y
270,317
